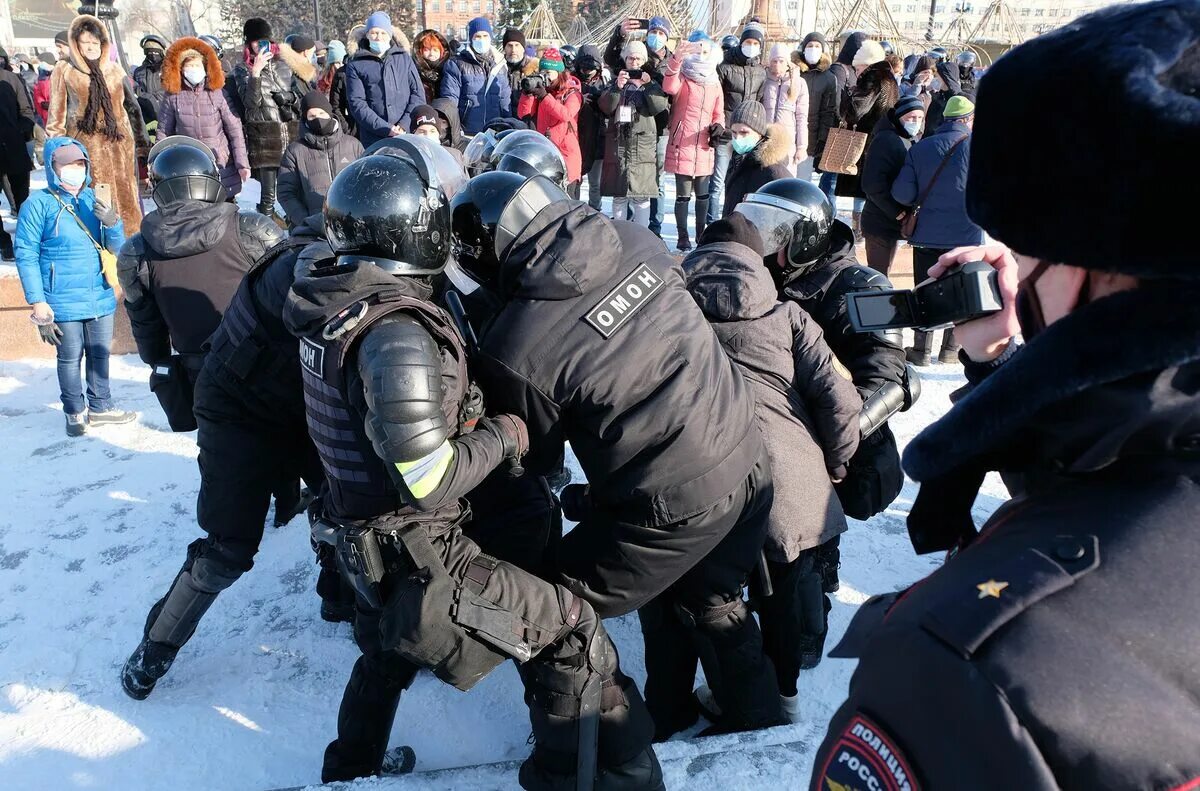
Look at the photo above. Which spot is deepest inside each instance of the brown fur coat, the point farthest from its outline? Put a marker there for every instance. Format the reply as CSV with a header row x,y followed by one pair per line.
x,y
113,162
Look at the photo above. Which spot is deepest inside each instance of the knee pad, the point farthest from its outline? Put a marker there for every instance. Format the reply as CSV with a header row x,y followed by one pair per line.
x,y
212,574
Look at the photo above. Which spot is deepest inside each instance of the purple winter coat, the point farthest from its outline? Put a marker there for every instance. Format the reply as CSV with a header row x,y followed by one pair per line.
x,y
205,115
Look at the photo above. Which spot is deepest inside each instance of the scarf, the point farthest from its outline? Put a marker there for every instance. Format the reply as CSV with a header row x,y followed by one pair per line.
x,y
698,70
99,101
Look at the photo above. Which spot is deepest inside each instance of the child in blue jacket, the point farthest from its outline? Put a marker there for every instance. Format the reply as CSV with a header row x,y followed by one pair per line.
x,y
58,230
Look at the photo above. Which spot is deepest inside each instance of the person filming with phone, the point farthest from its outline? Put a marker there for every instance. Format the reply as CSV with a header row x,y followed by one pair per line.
x,y
1056,645
630,173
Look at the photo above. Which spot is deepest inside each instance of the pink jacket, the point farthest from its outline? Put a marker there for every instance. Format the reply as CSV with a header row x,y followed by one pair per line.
x,y
786,101
695,107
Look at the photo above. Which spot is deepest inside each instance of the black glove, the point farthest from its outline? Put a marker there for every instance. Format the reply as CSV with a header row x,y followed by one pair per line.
x,y
734,228
718,135
538,91
105,214
575,501
51,334
511,430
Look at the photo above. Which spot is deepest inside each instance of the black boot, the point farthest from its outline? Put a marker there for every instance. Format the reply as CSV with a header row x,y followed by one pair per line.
x,y
949,353
365,717
816,624
829,560
681,218
921,352
268,179
670,669
149,662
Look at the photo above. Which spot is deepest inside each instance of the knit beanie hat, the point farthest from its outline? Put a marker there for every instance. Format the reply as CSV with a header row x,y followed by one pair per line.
x,y
734,228
751,113
634,47
552,60
514,34
61,37
870,52
256,29
1137,59
336,52
924,63
379,19
660,23
752,33
479,24
423,115
315,99
958,107
906,105
779,51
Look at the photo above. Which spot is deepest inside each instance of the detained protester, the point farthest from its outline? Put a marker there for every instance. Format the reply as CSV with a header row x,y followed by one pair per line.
x,y
1095,425
673,519
311,163
403,437
808,414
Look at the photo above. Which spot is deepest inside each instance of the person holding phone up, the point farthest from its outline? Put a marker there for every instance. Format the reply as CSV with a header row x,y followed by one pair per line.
x,y
60,234
630,172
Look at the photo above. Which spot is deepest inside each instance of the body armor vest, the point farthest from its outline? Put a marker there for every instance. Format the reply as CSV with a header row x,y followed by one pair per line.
x,y
361,485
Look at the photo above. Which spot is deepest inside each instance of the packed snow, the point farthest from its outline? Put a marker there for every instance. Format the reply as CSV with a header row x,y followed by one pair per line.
x,y
94,529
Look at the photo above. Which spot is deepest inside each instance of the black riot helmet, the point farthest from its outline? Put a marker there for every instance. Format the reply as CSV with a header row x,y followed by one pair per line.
x,y
384,209
569,53
966,59
477,157
213,42
182,168
938,54
730,42
490,212
791,214
530,156
888,47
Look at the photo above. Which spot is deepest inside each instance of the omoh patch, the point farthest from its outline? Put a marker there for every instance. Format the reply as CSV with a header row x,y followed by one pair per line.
x,y
630,296
865,758
312,357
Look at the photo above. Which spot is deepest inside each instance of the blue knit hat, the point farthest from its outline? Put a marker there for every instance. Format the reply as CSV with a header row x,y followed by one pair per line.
x,y
336,52
379,19
660,23
479,24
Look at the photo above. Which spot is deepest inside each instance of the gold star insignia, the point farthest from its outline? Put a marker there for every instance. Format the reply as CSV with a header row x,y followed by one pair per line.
x,y
991,588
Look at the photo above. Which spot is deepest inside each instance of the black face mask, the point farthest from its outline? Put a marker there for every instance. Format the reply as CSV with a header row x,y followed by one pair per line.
x,y
1029,306
321,61
322,126
154,57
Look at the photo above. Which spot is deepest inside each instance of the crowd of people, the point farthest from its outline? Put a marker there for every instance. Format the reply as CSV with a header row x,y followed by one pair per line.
x,y
435,314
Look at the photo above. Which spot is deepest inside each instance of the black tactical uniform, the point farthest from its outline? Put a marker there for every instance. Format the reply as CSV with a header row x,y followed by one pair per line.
x,y
633,378
180,272
395,419
253,442
147,78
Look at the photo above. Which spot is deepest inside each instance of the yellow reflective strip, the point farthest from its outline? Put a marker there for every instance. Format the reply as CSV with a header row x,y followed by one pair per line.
x,y
425,474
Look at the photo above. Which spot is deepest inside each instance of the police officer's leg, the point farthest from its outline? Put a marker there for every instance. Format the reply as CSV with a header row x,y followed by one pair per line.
x,y
828,561
517,520
813,607
781,617
670,668
235,478
369,704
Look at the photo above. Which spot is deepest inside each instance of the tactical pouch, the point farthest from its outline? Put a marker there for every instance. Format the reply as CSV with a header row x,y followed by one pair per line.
x,y
442,626
361,564
874,477
170,384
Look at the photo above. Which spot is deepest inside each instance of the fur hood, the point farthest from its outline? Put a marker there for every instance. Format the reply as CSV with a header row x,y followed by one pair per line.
x,y
180,51
775,146
528,66
822,65
106,64
301,66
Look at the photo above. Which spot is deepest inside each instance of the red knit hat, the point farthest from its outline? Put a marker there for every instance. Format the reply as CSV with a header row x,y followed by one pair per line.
x,y
552,60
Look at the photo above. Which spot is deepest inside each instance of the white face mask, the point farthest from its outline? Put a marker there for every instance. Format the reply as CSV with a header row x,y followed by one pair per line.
x,y
751,50
72,175
194,74
912,127
812,55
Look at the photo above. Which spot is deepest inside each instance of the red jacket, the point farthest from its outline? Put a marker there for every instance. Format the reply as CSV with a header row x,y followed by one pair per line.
x,y
558,119
41,96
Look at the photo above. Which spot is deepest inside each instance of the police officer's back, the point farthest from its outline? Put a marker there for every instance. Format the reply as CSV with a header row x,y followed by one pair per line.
x,y
181,271
1058,647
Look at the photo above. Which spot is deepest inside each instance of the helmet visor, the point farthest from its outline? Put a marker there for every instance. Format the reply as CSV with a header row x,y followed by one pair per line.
x,y
774,223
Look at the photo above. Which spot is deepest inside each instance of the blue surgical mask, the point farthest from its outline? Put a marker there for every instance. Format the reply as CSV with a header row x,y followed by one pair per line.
x,y
913,128
655,42
481,45
194,74
377,46
744,145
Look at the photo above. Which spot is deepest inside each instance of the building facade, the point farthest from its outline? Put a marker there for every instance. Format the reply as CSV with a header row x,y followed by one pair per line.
x,y
450,17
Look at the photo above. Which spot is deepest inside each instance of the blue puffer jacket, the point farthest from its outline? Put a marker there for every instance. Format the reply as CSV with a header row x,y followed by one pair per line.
x,y
382,90
56,260
943,222
464,81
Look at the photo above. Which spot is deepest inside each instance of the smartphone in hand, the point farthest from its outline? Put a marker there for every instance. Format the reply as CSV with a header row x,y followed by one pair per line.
x,y
643,24
103,194
264,45
634,74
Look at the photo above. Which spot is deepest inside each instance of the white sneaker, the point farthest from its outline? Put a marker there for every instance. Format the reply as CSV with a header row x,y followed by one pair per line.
x,y
708,703
791,707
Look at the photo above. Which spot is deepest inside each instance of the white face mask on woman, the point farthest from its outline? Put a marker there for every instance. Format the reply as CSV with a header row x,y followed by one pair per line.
x,y
751,50
812,54
913,128
194,74
72,175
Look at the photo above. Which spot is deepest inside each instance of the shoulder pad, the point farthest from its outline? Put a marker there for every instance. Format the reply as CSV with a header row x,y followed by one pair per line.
x,y
131,252
259,226
863,278
996,594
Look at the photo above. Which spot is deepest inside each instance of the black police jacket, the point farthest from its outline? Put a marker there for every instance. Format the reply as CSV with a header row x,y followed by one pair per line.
x,y
1058,649
599,343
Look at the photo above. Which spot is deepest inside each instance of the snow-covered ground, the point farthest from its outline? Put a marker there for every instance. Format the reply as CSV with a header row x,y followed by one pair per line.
x,y
92,530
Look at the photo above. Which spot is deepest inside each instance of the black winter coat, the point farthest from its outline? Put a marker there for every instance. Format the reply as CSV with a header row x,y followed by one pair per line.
x,y
1056,650
824,98
948,72
631,149
656,65
741,79
875,93
16,124
632,368
147,84
881,165
766,162
592,122
175,304
309,167
807,411
341,105
271,105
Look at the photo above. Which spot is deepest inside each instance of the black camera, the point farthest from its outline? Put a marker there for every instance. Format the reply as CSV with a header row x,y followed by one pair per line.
x,y
533,83
634,74
967,292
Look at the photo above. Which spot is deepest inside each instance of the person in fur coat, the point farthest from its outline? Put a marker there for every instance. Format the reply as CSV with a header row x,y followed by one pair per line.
x,y
760,150
91,100
869,100
195,105
267,80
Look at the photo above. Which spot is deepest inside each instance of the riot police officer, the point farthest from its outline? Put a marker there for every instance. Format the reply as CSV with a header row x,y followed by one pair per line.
x,y
811,256
598,342
396,421
180,272
147,78
253,442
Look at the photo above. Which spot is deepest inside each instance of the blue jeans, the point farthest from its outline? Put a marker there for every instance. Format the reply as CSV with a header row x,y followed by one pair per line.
x,y
658,205
827,184
93,336
716,185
